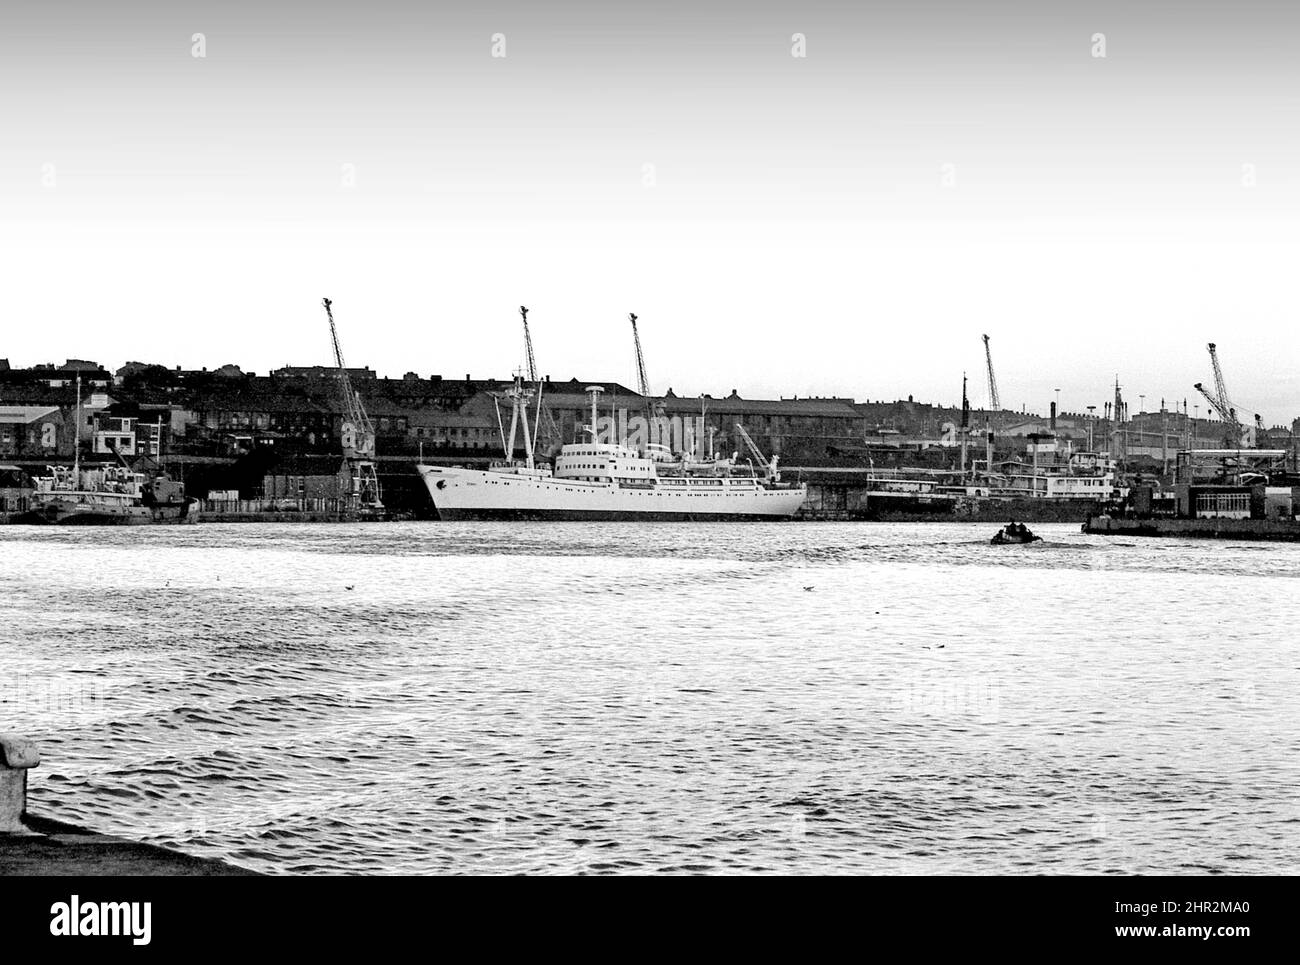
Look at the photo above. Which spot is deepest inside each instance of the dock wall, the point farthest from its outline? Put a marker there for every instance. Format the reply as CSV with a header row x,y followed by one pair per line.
x,y
1249,529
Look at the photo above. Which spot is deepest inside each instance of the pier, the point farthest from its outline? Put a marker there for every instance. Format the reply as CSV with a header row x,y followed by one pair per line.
x,y
32,845
1277,530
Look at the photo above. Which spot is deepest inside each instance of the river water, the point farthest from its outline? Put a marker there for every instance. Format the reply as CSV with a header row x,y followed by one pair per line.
x,y
579,698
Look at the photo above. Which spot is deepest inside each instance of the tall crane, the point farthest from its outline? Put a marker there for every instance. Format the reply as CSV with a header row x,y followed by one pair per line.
x,y
528,346
1224,411
995,404
654,407
1236,434
357,432
544,420
643,383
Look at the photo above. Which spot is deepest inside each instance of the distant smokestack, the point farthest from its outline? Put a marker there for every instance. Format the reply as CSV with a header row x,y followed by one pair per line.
x,y
1053,417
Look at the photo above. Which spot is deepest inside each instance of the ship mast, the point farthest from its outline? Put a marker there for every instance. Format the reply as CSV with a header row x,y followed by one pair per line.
x,y
594,391
518,397
965,426
76,439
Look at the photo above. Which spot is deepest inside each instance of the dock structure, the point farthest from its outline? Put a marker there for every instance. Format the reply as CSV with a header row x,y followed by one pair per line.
x,y
859,494
31,845
1242,494
1272,530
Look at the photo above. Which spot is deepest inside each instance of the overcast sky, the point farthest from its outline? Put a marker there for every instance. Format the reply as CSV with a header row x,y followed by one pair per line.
x,y
844,223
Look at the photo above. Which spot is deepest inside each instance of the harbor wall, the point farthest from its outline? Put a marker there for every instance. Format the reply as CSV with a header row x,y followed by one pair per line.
x,y
1281,530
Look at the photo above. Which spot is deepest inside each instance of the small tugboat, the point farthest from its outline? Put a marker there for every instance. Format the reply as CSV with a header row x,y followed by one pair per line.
x,y
1014,534
107,496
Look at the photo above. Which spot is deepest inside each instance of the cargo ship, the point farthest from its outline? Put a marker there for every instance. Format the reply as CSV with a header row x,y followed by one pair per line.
x,y
604,480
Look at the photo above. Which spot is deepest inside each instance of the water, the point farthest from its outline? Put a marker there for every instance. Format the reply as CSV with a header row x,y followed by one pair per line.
x,y
497,698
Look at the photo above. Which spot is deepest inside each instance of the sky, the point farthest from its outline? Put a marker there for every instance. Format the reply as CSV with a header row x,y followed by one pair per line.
x,y
844,222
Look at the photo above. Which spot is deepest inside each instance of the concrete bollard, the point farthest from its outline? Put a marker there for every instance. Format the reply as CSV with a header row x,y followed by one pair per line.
x,y
17,754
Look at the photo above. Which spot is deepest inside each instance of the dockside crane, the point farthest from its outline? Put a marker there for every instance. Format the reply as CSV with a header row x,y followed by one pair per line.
x,y
995,404
544,419
1225,412
642,383
357,432
528,345
1237,434
654,407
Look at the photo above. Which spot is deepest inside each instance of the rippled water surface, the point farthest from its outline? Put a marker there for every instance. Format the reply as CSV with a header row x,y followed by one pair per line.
x,y
495,698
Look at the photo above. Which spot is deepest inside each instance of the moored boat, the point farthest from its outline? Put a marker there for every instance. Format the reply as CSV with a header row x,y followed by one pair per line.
x,y
107,496
598,480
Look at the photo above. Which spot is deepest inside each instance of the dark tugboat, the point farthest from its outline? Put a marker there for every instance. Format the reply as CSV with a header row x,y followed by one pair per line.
x,y
1014,534
107,495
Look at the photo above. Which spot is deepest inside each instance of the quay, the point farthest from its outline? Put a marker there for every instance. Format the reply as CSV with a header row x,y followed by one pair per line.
x,y
32,845
1277,530
839,494
1245,497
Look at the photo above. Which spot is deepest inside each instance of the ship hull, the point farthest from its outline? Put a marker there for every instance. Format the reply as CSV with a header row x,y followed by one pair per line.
x,y
65,512
470,494
579,516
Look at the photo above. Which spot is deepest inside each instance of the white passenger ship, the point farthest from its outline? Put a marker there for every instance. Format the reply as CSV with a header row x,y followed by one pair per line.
x,y
604,481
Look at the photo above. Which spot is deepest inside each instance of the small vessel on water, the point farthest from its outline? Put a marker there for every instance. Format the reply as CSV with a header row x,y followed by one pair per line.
x,y
1014,534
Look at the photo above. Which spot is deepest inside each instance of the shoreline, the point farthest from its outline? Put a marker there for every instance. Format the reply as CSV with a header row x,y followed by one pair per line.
x,y
53,848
